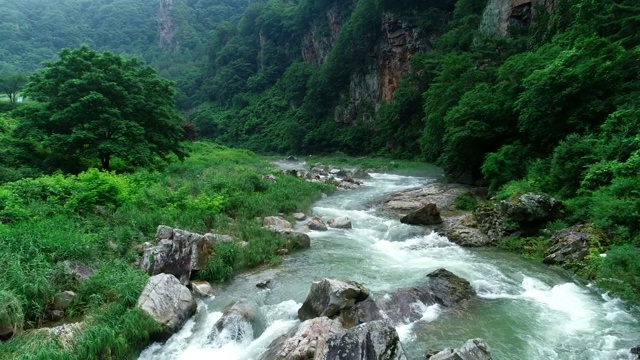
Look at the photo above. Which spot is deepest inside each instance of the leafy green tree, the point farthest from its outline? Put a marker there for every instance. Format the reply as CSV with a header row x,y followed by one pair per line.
x,y
101,105
11,86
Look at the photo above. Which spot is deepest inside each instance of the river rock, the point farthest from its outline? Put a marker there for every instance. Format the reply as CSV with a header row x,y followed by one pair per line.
x,y
531,208
426,215
403,306
316,223
464,230
276,223
360,313
241,319
168,302
475,349
448,289
303,341
338,173
202,289
178,252
299,216
572,244
375,340
440,194
328,297
62,300
340,223
65,333
361,174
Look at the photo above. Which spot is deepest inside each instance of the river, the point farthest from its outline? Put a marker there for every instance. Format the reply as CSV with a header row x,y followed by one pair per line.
x,y
526,310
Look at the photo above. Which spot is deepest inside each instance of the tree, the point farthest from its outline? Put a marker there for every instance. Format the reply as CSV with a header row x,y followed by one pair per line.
x,y
101,105
11,86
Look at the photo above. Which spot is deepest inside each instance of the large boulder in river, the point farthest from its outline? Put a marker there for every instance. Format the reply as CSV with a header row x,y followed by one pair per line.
x,y
426,215
178,252
441,194
168,302
464,230
531,208
572,244
302,342
316,223
340,223
475,349
449,289
328,297
403,306
240,320
375,340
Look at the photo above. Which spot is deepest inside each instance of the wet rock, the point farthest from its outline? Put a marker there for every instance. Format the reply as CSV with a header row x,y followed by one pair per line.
x,y
448,289
347,185
440,194
475,349
168,302
531,208
276,223
406,305
463,230
426,215
338,173
264,284
302,342
62,300
178,252
299,216
360,313
240,320
291,158
316,223
430,353
202,289
340,223
328,297
375,340
572,244
493,224
361,174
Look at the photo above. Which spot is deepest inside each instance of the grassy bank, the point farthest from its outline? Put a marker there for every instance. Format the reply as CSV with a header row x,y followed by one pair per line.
x,y
98,218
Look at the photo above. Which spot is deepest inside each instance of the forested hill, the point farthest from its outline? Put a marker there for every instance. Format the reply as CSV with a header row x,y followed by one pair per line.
x,y
171,35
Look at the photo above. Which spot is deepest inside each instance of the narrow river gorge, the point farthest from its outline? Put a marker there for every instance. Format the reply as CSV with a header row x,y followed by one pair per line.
x,y
524,310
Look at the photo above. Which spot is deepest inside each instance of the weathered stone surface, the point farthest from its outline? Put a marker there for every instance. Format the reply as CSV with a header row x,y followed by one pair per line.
x,y
62,300
167,301
65,333
338,173
463,230
440,194
303,341
202,289
299,216
531,208
572,244
375,340
426,215
241,319
77,270
361,174
362,312
448,289
328,297
316,223
342,222
403,306
276,223
475,349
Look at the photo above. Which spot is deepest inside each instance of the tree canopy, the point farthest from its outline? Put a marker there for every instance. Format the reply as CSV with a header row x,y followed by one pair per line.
x,y
11,85
103,106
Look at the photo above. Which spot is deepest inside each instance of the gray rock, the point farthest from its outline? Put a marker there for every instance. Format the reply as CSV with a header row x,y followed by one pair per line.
x,y
240,320
299,216
448,289
168,302
426,215
276,223
77,270
264,284
375,340
572,244
316,223
302,342
65,333
531,208
475,349
360,313
56,315
202,289
464,230
270,178
443,195
62,300
329,297
403,306
339,173
361,174
340,223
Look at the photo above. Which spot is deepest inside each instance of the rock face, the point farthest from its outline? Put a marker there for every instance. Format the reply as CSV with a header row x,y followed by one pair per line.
x,y
440,194
178,252
328,297
402,306
340,223
62,300
426,215
302,342
571,244
375,340
448,289
201,289
475,349
501,16
241,319
167,301
464,231
65,333
316,223
531,208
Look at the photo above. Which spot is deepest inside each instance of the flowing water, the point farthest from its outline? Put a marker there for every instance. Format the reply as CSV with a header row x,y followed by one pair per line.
x,y
526,310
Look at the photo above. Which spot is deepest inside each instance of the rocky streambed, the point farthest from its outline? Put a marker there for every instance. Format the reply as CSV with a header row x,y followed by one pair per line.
x,y
372,287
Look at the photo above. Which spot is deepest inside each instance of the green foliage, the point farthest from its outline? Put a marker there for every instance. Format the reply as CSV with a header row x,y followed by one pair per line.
x,y
466,202
103,106
11,86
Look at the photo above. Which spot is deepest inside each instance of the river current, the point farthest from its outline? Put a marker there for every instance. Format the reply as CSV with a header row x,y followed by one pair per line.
x,y
526,310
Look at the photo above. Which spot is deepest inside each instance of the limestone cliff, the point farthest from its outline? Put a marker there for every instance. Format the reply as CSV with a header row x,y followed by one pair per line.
x,y
500,16
166,27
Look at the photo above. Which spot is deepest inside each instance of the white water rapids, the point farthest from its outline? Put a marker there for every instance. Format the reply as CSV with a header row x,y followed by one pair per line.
x,y
526,310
